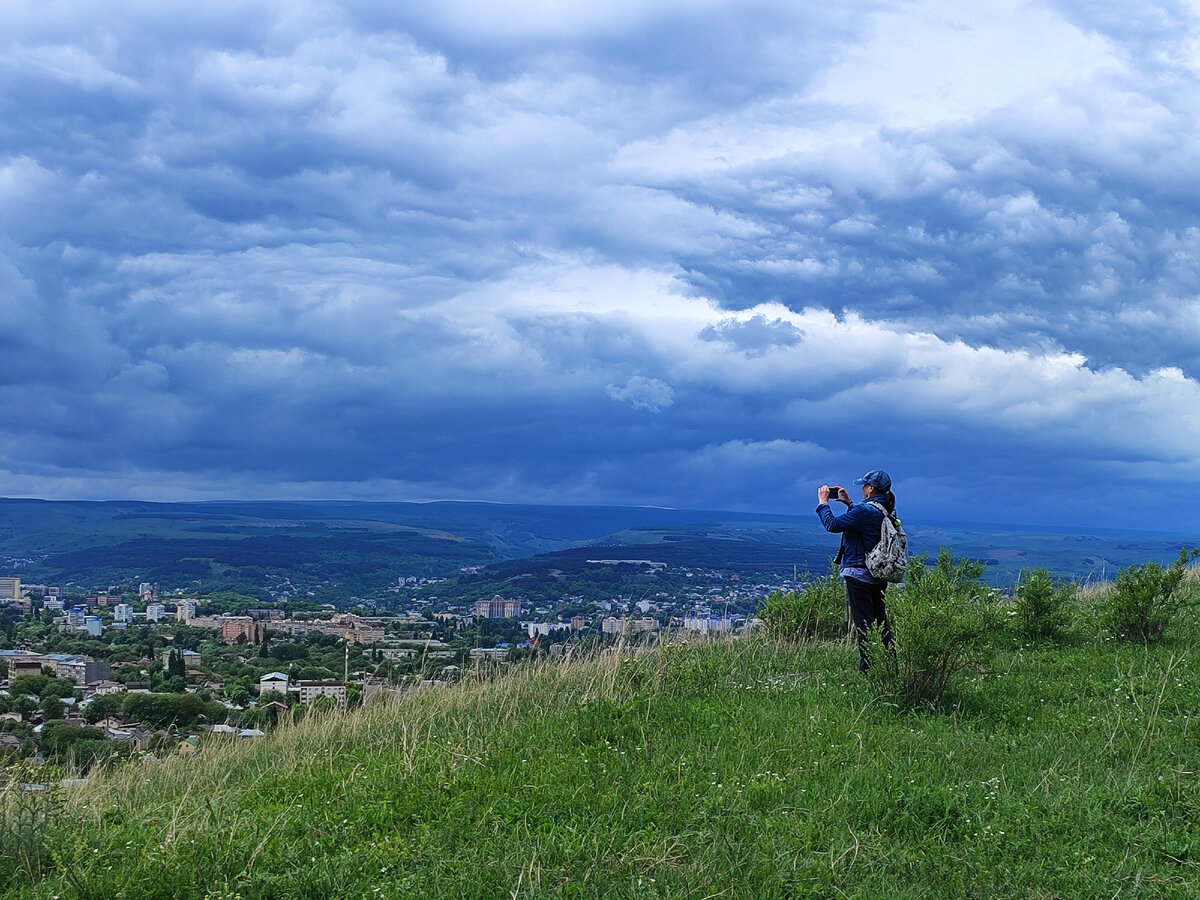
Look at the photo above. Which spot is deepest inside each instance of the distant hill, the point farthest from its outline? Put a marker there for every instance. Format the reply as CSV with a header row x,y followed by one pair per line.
x,y
337,549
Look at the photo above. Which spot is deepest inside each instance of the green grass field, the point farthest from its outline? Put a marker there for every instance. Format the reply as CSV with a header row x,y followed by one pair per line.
x,y
738,768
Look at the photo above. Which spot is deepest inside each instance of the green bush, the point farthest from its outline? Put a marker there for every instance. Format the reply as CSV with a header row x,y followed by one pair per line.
x,y
58,737
1145,599
938,619
817,612
172,710
1042,605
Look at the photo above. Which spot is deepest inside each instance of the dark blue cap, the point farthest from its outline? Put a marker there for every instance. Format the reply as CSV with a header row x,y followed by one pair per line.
x,y
876,478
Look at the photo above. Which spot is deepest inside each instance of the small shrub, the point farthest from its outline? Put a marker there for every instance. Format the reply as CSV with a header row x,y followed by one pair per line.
x,y
817,612
1043,606
938,619
1145,599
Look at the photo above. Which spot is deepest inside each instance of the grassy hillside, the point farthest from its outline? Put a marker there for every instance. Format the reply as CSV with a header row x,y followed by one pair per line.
x,y
730,769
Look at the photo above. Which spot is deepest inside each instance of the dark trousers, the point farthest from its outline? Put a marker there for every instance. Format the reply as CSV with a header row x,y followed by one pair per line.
x,y
867,609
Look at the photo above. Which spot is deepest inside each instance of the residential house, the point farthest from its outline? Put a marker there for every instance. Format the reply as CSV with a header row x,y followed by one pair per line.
x,y
273,681
105,687
114,723
138,737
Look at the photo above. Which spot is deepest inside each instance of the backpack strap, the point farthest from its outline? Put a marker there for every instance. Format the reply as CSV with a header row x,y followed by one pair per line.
x,y
886,514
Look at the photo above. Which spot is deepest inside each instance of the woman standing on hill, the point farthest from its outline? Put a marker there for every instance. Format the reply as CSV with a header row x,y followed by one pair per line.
x,y
860,527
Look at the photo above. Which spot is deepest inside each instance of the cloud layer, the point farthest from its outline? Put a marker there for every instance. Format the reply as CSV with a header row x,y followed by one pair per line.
x,y
691,254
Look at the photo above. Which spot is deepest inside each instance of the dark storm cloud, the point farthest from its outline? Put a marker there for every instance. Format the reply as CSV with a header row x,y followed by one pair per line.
x,y
666,252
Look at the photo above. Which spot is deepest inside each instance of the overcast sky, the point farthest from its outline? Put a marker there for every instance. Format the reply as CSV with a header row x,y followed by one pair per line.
x,y
688,253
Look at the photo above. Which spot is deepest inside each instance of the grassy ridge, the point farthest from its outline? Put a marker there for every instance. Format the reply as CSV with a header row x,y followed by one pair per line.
x,y
728,769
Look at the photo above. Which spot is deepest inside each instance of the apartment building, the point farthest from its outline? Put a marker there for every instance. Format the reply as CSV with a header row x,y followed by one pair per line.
x,y
497,608
311,690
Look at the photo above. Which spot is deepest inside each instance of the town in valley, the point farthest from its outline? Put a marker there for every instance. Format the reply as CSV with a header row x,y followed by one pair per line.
x,y
147,670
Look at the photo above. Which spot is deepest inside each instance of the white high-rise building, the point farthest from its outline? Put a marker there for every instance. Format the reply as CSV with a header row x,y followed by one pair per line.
x,y
10,587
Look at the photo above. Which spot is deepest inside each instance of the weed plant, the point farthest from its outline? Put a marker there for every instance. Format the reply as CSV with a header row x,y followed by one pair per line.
x,y
727,768
26,813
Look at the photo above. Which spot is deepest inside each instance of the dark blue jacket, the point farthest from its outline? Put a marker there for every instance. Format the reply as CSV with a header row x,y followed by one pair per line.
x,y
859,527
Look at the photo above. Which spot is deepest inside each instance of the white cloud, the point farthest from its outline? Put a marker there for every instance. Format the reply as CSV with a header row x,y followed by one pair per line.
x,y
643,393
933,61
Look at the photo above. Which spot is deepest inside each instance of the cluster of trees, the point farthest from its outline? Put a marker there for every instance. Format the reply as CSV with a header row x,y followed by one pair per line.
x,y
154,710
32,694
